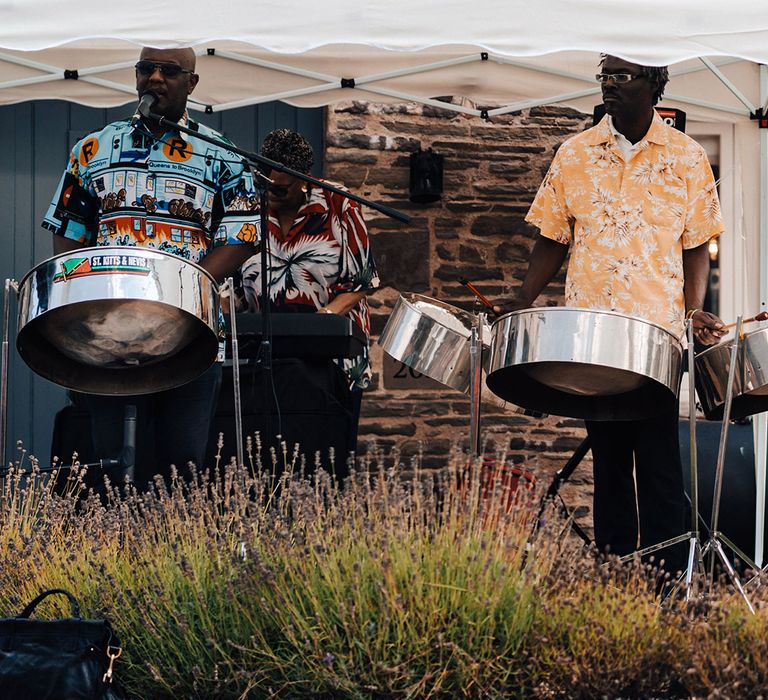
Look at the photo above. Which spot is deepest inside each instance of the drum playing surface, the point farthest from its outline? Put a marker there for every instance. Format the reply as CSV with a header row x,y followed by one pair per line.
x,y
581,363
118,320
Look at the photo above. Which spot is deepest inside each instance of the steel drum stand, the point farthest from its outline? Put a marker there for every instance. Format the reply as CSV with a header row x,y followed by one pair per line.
x,y
10,284
127,457
236,373
476,381
714,545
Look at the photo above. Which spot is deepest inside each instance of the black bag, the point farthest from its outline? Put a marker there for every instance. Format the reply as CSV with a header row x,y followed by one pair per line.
x,y
67,659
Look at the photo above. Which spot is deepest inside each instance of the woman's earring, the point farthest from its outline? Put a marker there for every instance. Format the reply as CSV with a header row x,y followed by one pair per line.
x,y
304,189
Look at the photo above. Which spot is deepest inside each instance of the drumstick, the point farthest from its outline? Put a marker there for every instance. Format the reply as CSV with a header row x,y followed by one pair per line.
x,y
762,316
471,287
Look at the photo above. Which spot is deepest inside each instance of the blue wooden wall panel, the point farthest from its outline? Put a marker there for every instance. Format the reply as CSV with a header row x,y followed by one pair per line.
x,y
35,141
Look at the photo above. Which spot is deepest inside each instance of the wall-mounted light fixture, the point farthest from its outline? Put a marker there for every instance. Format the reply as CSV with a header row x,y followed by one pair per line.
x,y
426,176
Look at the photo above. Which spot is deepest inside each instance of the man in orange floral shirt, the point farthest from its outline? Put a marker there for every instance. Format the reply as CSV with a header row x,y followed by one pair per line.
x,y
636,203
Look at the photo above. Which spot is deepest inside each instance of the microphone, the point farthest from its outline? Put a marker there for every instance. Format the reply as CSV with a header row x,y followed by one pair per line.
x,y
146,103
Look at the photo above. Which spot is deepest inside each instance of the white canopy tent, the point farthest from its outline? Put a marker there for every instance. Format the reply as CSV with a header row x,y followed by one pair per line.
x,y
501,55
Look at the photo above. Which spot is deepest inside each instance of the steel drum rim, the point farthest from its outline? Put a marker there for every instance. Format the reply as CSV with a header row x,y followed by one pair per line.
x,y
408,298
129,250
580,309
513,350
726,344
183,287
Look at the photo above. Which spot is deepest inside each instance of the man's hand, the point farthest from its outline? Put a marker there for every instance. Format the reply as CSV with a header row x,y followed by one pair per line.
x,y
507,306
708,329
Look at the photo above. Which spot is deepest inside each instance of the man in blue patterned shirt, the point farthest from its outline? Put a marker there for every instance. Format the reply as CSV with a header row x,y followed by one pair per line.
x,y
154,187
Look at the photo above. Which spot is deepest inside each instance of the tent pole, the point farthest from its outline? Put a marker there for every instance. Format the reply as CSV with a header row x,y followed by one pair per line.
x,y
760,425
729,84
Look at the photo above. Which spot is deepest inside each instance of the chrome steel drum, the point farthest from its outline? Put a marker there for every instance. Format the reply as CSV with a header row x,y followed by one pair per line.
x,y
583,363
118,320
433,338
750,382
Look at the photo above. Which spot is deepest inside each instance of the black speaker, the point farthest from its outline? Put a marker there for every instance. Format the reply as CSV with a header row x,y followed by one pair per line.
x,y
426,176
670,115
737,503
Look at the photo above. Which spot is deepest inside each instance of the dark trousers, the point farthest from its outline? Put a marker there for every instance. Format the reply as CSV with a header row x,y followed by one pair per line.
x,y
645,453
171,426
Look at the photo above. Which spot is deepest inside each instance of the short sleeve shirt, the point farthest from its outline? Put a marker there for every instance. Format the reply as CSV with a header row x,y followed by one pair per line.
x,y
178,194
628,221
326,253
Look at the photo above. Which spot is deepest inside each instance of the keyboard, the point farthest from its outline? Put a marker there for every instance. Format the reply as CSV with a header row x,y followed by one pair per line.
x,y
303,335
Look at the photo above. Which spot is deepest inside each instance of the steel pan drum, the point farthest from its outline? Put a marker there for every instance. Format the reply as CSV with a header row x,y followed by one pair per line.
x,y
432,337
118,320
582,363
750,382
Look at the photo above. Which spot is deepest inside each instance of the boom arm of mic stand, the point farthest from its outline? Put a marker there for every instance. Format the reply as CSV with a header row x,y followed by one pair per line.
x,y
259,159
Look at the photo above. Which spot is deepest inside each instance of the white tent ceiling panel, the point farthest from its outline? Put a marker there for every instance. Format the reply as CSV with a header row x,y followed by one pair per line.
x,y
237,75
680,30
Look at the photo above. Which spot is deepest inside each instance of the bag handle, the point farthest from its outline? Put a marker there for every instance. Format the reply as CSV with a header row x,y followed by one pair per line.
x,y
72,601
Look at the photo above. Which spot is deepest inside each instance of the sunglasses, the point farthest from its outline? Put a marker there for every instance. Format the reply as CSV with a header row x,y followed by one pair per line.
x,y
167,70
617,78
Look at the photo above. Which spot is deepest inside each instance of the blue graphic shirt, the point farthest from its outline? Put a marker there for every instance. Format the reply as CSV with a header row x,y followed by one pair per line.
x,y
178,194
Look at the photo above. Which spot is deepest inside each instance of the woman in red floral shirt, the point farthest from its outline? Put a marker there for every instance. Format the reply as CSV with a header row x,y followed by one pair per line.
x,y
319,255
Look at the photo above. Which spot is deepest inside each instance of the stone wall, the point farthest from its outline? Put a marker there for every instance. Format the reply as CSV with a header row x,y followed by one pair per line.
x,y
492,170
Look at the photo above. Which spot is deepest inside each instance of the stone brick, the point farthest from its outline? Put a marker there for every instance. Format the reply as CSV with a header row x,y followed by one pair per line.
x,y
498,225
389,428
353,108
499,188
460,421
389,177
355,123
453,272
566,444
385,223
471,254
410,127
378,321
402,259
345,157
551,111
501,133
338,140
492,291
513,252
444,252
463,206
436,112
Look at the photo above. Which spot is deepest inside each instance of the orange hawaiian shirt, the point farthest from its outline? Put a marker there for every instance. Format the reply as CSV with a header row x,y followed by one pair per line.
x,y
628,222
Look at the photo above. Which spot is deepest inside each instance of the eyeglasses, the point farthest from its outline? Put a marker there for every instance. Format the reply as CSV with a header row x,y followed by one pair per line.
x,y
616,77
167,70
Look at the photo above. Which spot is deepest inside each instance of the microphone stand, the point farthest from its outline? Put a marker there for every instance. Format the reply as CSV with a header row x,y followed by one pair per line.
x,y
262,182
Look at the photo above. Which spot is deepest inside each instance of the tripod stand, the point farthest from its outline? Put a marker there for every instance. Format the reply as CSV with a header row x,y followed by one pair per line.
x,y
713,547
554,489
